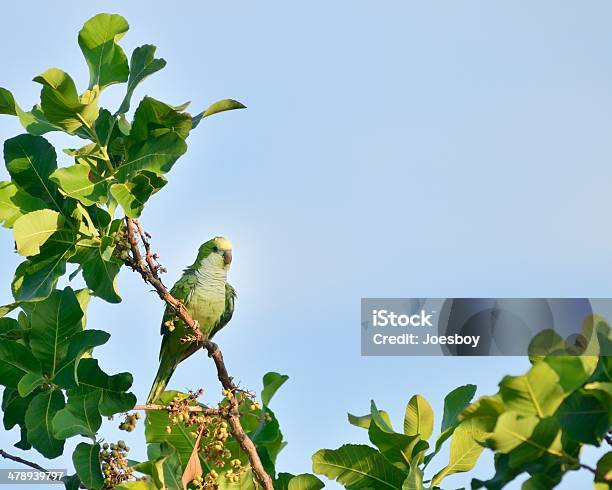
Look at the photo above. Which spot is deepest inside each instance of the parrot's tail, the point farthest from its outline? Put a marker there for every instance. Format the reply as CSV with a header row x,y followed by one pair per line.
x,y
164,373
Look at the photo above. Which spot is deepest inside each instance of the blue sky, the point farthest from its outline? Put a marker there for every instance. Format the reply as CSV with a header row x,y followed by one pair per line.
x,y
417,149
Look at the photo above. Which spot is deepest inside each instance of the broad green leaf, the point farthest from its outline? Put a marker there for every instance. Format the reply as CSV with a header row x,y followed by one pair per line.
x,y
163,466
100,269
82,183
114,397
305,481
71,482
7,103
397,448
16,360
36,278
364,421
106,60
29,383
179,438
14,408
134,194
15,203
219,106
419,418
30,160
86,460
38,419
10,329
267,435
153,119
157,155
32,230
538,392
414,480
142,64
533,435
271,383
54,321
464,450
544,343
81,344
81,414
35,122
455,403
604,469
244,483
585,416
357,467
61,103
6,309
146,484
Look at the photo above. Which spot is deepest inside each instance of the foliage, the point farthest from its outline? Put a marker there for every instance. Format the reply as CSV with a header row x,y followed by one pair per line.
x,y
73,216
537,424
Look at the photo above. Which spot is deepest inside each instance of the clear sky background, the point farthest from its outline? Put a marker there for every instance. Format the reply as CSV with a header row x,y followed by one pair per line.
x,y
392,148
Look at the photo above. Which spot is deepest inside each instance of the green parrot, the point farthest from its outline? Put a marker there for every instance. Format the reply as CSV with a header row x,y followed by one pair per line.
x,y
208,298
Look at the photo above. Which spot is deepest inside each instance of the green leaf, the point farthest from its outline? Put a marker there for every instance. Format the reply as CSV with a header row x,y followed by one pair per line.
x,y
142,64
86,460
16,360
15,203
357,467
114,397
82,183
100,269
419,418
61,104
219,106
464,450
10,329
81,344
32,230
397,448
527,431
414,481
604,469
146,484
14,408
36,278
7,103
455,403
6,309
38,419
154,119
98,41
29,383
305,481
35,122
134,194
538,392
30,160
179,438
81,415
54,321
271,383
585,416
71,482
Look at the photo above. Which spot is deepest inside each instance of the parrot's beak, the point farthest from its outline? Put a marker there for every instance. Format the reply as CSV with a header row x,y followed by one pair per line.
x,y
227,257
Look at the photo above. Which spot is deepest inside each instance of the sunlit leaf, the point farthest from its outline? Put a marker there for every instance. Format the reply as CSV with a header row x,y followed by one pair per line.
x,y
61,103
358,467
7,103
219,106
15,203
32,230
271,383
134,194
83,183
419,418
142,64
98,41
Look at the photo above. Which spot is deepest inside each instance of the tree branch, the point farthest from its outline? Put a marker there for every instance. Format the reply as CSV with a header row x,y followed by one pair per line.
x,y
149,271
25,462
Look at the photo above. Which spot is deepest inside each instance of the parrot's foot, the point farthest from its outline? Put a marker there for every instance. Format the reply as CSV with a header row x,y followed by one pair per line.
x,y
211,347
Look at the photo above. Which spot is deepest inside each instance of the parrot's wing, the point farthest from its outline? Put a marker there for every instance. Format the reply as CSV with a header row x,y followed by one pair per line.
x,y
181,290
230,299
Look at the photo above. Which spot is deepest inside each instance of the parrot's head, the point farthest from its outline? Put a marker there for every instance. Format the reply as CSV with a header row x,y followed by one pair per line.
x,y
216,253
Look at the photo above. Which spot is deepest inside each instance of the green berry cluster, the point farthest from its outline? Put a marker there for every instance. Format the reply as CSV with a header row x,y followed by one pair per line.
x,y
209,482
129,424
115,464
122,244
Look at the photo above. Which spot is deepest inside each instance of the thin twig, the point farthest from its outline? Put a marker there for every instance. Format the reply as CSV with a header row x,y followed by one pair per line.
x,y
148,270
197,408
17,459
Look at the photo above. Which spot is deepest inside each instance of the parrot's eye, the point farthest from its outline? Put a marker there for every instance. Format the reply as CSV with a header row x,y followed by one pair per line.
x,y
215,249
